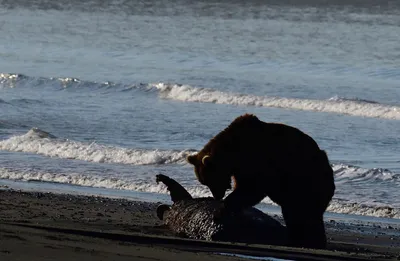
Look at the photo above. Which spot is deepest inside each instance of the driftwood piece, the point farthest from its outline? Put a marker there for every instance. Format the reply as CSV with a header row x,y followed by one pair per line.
x,y
194,218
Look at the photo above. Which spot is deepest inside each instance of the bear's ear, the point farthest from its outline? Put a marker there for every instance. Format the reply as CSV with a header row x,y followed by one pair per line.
x,y
206,160
191,159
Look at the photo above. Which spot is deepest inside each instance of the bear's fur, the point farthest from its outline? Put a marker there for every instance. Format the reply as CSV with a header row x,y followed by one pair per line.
x,y
274,160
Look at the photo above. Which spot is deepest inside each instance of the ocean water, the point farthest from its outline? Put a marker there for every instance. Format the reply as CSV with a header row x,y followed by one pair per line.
x,y
107,94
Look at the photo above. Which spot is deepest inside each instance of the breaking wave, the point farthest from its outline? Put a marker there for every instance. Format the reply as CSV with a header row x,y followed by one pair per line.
x,y
44,143
105,181
40,142
344,173
364,209
361,202
351,107
340,105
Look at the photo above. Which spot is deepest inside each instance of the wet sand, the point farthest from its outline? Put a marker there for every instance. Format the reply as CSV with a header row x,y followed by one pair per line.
x,y
48,226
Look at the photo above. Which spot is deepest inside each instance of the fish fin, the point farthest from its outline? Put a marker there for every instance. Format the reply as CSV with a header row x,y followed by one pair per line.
x,y
176,191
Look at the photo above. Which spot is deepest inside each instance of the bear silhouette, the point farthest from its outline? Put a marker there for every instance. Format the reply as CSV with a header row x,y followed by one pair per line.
x,y
275,160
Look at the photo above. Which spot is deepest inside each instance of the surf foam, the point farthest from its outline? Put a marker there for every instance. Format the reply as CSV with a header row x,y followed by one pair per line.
x,y
344,173
102,181
363,209
351,107
40,142
340,105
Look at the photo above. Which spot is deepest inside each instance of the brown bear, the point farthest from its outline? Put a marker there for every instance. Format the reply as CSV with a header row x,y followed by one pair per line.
x,y
274,160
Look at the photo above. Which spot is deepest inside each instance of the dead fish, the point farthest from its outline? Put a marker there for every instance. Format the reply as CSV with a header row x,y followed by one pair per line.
x,y
194,218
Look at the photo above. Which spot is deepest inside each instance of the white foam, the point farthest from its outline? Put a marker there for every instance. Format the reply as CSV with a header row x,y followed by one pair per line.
x,y
354,208
104,181
41,142
9,80
187,93
344,173
341,106
83,180
364,209
375,210
5,77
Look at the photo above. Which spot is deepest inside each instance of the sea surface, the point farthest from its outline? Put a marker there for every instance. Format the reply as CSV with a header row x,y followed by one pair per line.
x,y
107,94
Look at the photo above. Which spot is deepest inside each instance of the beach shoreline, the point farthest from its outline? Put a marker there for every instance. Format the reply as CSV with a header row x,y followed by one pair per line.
x,y
45,225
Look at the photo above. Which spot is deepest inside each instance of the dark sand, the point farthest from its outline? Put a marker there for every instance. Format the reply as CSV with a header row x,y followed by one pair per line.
x,y
47,226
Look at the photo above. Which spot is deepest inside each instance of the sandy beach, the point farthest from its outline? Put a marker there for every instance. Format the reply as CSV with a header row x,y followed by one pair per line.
x,y
48,226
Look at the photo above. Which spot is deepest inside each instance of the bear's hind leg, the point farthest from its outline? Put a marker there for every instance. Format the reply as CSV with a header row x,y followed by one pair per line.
x,y
305,227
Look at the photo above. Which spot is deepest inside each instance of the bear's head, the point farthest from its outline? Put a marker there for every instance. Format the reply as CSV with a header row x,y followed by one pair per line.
x,y
210,172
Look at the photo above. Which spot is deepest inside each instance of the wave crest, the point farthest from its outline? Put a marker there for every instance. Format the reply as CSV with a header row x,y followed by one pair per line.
x,y
351,107
41,142
345,172
340,105
377,210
